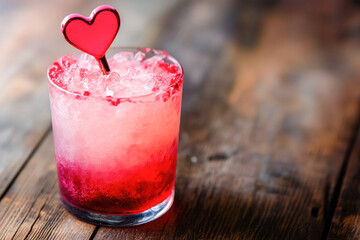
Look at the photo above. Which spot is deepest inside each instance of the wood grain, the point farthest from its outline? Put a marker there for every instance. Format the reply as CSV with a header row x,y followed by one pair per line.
x,y
32,208
270,105
265,126
346,221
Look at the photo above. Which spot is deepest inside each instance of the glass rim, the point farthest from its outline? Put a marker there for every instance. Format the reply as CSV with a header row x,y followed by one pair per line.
x,y
119,49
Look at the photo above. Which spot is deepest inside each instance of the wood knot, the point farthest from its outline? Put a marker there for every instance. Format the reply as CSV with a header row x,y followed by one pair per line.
x,y
218,157
315,211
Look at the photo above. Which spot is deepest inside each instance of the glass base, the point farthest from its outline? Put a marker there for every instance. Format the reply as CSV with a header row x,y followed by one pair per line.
x,y
120,220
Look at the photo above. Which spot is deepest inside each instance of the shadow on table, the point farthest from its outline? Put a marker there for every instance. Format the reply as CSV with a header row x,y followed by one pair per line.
x,y
228,216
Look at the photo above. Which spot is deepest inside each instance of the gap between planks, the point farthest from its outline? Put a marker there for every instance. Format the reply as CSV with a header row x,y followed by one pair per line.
x,y
31,154
339,182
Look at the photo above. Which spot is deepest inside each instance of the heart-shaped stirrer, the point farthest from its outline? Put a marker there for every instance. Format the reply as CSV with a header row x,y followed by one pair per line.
x,y
93,34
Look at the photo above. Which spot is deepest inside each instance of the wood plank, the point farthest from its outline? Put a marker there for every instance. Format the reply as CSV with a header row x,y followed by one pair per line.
x,y
259,138
346,220
266,122
32,208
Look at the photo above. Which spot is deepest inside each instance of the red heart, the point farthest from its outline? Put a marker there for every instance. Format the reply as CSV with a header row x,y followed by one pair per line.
x,y
94,34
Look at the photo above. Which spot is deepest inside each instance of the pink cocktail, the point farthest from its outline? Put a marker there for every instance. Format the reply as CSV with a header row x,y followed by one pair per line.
x,y
116,135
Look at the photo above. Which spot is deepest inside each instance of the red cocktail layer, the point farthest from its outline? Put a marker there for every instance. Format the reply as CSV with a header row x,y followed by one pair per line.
x,y
119,190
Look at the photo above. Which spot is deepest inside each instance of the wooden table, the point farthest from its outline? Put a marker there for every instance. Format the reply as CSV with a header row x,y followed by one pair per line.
x,y
269,144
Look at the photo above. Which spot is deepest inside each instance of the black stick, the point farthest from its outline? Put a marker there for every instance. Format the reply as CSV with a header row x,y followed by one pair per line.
x,y
104,65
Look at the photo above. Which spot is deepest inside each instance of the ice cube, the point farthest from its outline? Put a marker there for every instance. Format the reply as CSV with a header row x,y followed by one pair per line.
x,y
155,58
139,56
109,93
130,75
123,56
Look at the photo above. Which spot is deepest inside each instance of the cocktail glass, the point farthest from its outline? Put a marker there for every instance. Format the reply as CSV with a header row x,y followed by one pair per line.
x,y
116,157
